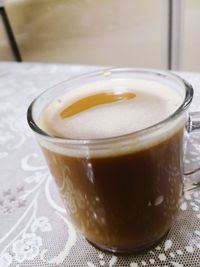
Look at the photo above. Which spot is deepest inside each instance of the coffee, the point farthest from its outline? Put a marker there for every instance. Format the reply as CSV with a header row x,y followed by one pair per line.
x,y
125,196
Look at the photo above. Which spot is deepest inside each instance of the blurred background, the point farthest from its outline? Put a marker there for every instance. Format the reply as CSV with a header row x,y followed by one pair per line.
x,y
160,34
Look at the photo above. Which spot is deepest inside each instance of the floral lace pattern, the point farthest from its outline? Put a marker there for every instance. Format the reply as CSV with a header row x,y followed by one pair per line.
x,y
5,260
10,200
27,248
35,229
42,224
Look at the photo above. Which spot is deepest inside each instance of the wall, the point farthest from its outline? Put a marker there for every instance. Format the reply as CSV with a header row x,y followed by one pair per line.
x,y
104,32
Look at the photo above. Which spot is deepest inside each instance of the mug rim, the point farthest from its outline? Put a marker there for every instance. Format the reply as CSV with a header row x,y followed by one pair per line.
x,y
77,142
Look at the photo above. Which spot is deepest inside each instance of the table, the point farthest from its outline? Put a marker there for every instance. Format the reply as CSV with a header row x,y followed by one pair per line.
x,y
34,228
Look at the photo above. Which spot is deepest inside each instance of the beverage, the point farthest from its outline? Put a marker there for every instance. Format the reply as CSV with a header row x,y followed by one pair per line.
x,y
123,196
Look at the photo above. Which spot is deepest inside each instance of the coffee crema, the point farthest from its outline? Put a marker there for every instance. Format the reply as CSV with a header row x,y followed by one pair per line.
x,y
127,196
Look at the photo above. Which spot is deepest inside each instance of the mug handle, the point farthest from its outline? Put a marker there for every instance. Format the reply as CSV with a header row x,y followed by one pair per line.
x,y
192,177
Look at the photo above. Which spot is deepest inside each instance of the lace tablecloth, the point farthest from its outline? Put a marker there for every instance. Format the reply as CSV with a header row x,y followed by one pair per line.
x,y
34,229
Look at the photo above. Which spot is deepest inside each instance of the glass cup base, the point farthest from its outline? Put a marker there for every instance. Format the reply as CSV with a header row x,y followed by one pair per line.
x,y
130,250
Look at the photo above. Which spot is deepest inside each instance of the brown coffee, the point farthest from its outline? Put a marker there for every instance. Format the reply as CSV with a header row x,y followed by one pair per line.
x,y
127,196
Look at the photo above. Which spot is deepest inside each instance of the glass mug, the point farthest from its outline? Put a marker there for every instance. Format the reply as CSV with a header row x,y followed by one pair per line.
x,y
122,200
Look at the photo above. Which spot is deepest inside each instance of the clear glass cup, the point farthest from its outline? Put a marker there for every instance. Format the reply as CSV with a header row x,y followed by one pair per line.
x,y
122,199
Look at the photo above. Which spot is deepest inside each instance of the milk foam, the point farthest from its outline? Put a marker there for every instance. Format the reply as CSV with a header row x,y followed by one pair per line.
x,y
153,103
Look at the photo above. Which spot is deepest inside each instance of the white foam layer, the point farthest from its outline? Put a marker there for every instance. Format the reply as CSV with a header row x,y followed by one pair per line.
x,y
153,103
